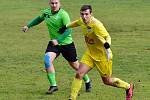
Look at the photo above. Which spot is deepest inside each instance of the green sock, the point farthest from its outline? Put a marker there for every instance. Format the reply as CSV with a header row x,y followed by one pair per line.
x,y
86,78
51,78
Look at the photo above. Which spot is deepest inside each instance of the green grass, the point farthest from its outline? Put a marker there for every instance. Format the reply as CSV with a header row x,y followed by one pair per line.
x,y
21,54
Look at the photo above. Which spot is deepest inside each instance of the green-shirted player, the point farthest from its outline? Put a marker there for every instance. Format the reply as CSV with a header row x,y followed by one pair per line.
x,y
55,18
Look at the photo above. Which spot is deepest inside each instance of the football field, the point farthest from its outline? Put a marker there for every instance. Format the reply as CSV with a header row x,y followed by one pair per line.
x,y
21,54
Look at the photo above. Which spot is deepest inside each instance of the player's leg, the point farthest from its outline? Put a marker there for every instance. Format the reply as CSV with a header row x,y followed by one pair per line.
x,y
49,67
69,53
116,82
77,82
50,55
86,78
105,69
84,67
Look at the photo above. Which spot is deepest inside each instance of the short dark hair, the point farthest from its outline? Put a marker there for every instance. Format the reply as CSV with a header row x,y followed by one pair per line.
x,y
85,7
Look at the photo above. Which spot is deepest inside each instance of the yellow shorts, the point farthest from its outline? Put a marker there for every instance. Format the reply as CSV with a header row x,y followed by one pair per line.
x,y
103,67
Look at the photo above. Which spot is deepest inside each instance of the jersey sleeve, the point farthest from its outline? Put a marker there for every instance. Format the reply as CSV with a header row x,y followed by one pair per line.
x,y
102,33
65,21
65,18
38,19
64,35
73,24
45,12
34,22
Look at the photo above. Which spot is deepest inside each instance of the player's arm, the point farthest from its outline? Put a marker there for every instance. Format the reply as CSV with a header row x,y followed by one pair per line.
x,y
103,35
73,24
33,22
66,30
67,26
64,35
63,30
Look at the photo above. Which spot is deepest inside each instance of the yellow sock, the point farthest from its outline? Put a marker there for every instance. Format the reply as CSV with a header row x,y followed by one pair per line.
x,y
76,85
120,84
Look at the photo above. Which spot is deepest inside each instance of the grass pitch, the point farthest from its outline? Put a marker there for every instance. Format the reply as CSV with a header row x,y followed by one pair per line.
x,y
21,54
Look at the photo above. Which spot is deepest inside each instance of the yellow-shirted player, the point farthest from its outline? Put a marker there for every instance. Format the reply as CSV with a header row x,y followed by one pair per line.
x,y
95,36
98,53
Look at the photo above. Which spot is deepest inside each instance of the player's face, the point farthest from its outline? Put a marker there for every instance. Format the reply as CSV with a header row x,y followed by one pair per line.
x,y
55,5
86,16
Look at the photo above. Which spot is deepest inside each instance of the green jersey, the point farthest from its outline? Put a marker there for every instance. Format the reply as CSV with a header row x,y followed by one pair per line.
x,y
54,22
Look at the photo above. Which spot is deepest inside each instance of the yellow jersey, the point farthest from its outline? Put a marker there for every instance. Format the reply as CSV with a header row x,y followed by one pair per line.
x,y
95,36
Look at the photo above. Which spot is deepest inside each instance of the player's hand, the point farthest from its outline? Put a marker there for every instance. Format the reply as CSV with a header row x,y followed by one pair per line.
x,y
107,54
62,29
25,29
54,42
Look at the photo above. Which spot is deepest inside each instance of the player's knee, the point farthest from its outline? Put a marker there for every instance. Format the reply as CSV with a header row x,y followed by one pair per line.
x,y
107,81
47,61
74,65
79,75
